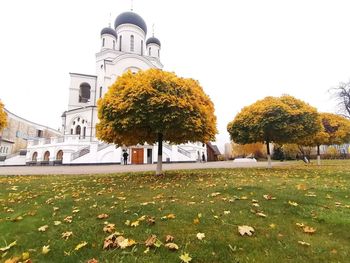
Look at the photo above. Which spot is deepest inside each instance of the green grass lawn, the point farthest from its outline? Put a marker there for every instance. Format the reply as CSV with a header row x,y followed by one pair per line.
x,y
282,205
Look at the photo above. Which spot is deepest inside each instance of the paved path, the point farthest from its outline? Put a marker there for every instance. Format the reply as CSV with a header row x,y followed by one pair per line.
x,y
117,168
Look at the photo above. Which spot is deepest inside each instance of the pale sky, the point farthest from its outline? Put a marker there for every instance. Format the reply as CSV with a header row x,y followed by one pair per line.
x,y
240,51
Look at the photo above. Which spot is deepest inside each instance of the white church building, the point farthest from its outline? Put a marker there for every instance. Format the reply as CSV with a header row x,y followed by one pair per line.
x,y
124,48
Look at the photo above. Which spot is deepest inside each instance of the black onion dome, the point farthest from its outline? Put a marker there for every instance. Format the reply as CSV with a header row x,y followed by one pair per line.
x,y
130,18
153,40
109,31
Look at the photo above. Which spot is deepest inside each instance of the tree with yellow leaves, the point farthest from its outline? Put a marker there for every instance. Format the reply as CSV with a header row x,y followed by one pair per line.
x,y
274,120
3,117
335,130
153,106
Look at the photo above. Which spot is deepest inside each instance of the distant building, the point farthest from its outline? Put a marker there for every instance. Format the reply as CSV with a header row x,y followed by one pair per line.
x,y
213,152
14,137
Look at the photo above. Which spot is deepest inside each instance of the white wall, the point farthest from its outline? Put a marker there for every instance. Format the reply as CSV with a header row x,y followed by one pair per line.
x,y
76,81
109,39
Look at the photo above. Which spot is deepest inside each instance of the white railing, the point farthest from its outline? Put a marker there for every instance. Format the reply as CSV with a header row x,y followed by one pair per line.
x,y
80,153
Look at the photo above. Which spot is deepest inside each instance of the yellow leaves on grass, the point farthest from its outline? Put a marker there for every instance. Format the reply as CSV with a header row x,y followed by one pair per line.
x,y
293,203
172,246
109,228
116,240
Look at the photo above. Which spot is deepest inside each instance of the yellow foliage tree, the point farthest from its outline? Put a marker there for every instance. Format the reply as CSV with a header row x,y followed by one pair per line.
x,y
274,119
153,106
335,130
3,117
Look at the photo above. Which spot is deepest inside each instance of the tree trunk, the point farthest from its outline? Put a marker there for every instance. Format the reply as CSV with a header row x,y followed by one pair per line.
x,y
268,154
160,154
318,155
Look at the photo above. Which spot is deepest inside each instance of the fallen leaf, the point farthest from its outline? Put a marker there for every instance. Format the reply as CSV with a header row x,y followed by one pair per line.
x,y
200,236
56,223
92,260
151,240
245,230
135,223
293,203
43,228
304,243
109,228
25,255
68,219
172,246
45,249
169,238
261,214
309,230
81,245
102,216
185,257
3,249
67,234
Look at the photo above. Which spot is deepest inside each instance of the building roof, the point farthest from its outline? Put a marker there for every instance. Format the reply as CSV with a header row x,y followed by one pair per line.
x,y
153,40
109,31
130,18
214,148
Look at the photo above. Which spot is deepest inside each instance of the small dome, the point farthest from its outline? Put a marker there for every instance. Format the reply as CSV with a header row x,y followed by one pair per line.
x,y
153,40
130,18
109,31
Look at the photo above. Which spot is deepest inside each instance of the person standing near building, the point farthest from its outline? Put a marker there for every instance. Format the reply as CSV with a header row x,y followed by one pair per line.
x,y
125,157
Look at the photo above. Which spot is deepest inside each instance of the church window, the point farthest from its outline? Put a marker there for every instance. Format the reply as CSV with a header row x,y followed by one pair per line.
x,y
113,45
84,92
78,119
149,51
59,155
132,43
47,156
73,122
35,156
120,43
84,132
158,53
100,92
141,47
78,130
103,42
71,131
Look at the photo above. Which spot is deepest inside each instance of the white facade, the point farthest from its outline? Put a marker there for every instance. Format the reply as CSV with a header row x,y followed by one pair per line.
x,y
121,50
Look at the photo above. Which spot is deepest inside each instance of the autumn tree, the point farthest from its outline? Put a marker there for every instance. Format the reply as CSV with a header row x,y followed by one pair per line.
x,y
342,95
274,120
3,117
335,130
153,106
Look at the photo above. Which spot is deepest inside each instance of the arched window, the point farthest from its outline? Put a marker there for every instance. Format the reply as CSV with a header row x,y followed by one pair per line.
x,y
84,132
158,53
149,51
120,43
132,43
103,42
141,47
78,130
100,92
35,157
84,92
113,45
59,155
47,156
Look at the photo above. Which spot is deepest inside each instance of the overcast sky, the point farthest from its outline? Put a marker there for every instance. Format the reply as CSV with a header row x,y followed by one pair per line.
x,y
240,51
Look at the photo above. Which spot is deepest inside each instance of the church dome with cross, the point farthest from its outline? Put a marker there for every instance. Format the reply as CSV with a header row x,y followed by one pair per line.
x,y
130,18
